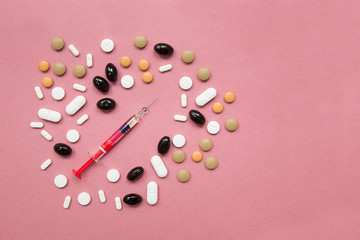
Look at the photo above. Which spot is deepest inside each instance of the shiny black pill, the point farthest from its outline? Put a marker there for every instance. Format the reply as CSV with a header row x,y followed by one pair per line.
x,y
164,49
106,104
62,149
111,72
197,117
164,145
132,199
135,173
101,84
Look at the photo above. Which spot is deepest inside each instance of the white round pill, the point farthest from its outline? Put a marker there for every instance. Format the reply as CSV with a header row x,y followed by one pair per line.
x,y
127,81
179,140
213,127
72,136
113,175
84,198
60,181
58,93
107,45
185,83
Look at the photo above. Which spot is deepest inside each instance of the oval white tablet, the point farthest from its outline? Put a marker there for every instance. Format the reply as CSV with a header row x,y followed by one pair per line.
x,y
127,81
60,181
84,198
165,68
36,125
206,96
73,50
118,203
75,105
183,100
89,60
180,118
185,83
152,193
213,127
79,87
38,92
45,164
46,135
58,93
49,115
107,45
159,166
67,201
178,140
102,196
82,119
113,175
72,136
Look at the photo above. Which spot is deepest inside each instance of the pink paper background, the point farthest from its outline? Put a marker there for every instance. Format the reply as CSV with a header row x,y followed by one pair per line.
x,y
291,170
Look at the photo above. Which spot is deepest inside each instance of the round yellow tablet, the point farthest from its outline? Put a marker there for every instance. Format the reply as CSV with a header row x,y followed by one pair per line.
x,y
79,70
59,69
47,82
206,144
57,43
140,41
144,65
229,97
147,77
196,156
125,61
204,74
178,156
183,175
188,56
44,66
211,163
217,107
231,124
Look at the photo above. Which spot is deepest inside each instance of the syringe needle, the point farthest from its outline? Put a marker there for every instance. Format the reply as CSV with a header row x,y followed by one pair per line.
x,y
152,102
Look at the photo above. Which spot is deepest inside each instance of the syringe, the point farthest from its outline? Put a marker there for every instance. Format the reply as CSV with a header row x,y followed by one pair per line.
x,y
115,138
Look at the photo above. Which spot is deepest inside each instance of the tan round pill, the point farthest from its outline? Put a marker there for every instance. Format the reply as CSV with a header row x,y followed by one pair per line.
x,y
204,74
57,43
231,124
183,175
125,61
178,156
140,41
206,144
188,56
47,82
79,70
211,163
59,69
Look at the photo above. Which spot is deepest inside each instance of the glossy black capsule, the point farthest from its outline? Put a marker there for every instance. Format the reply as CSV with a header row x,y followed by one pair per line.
x,y
164,145
62,149
197,117
106,104
101,84
111,72
132,199
135,173
164,49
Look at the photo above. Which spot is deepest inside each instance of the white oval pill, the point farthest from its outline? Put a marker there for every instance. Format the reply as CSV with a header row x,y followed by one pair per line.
x,y
82,119
79,87
180,118
206,96
178,140
46,164
107,45
185,83
72,136
84,198
36,125
58,93
38,92
46,135
102,196
113,175
213,127
165,68
152,193
183,100
49,115
159,166
118,203
89,60
127,81
67,202
73,50
75,105
60,181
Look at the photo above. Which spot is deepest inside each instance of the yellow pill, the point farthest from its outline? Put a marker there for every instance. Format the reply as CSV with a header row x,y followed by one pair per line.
x,y
217,107
59,69
147,77
44,66
229,97
196,156
47,82
125,61
140,41
144,65
183,175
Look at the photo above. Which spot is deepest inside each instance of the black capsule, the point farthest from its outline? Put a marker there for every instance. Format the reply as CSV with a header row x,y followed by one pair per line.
x,y
101,84
62,149
132,199
135,173
106,104
197,117
111,72
164,49
164,145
